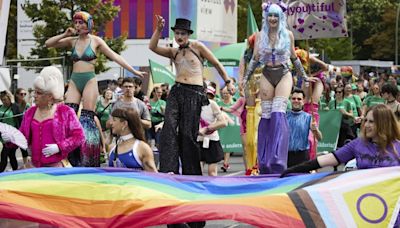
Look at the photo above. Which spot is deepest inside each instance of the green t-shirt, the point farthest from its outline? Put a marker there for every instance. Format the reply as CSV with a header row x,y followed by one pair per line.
x,y
373,100
352,101
104,115
156,113
323,104
344,104
6,116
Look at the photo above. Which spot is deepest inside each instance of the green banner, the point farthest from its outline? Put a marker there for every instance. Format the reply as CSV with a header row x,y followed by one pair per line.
x,y
329,125
230,136
161,74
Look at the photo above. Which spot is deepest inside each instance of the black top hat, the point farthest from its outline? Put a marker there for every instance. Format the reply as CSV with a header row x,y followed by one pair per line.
x,y
182,23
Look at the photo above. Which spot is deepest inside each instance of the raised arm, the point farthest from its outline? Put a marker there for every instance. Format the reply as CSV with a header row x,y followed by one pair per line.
x,y
153,45
323,66
62,40
106,50
296,62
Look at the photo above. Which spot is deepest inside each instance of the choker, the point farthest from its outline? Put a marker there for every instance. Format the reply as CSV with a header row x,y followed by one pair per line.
x,y
126,137
184,46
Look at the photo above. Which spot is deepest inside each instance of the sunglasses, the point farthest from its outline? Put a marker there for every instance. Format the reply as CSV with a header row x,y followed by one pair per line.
x,y
339,91
297,98
181,33
273,15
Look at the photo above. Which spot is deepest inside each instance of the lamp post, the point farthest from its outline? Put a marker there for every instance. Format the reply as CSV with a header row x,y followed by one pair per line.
x,y
397,34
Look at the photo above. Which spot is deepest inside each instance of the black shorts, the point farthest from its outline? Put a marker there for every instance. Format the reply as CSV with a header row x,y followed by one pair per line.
x,y
212,154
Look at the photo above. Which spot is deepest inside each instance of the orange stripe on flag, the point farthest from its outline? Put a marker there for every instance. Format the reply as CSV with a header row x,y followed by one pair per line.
x,y
109,29
156,11
141,25
125,17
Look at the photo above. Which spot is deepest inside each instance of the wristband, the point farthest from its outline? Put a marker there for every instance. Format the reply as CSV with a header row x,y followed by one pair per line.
x,y
227,81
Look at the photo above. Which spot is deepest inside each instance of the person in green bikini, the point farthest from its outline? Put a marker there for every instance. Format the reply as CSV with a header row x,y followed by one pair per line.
x,y
83,85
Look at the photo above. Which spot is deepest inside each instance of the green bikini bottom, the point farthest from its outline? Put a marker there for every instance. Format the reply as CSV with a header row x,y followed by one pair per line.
x,y
81,79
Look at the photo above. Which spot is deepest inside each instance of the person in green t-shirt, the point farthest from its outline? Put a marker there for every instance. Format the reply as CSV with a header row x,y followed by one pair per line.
x,y
103,107
157,113
344,106
374,99
9,114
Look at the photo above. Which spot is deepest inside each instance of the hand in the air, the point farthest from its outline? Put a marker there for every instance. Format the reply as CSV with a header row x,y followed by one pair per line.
x,y
160,22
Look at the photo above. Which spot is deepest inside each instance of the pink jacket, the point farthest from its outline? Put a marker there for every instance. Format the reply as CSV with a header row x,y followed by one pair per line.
x,y
68,132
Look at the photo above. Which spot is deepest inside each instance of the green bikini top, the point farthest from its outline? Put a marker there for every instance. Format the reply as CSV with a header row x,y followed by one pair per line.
x,y
88,55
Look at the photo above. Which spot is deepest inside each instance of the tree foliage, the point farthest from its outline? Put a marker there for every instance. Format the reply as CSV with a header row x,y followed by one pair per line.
x,y
55,16
11,47
382,42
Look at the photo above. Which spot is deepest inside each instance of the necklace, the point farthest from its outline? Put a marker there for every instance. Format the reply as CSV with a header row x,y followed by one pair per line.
x,y
124,138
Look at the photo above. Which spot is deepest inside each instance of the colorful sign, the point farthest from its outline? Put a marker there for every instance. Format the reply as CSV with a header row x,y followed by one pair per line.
x,y
312,19
136,19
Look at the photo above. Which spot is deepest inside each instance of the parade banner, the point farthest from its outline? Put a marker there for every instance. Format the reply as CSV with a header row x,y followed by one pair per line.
x,y
160,74
230,136
112,197
136,19
329,125
217,21
4,11
312,19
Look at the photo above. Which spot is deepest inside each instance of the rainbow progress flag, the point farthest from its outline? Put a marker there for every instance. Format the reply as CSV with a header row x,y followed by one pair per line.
x,y
96,197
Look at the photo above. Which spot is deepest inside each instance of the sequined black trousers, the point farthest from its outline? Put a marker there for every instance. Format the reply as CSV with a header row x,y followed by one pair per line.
x,y
181,126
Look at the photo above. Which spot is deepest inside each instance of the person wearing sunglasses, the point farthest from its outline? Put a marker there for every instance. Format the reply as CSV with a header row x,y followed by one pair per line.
x,y
300,124
20,100
274,47
83,85
345,107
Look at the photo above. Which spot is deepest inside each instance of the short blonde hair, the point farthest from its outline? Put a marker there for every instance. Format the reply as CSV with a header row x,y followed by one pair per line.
x,y
50,80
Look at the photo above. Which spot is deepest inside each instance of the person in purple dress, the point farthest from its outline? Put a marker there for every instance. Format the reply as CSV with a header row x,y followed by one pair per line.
x,y
378,145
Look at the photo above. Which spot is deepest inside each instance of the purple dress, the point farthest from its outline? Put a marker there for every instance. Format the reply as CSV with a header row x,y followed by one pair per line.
x,y
367,155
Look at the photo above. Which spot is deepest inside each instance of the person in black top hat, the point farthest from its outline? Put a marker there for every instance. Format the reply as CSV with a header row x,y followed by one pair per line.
x,y
178,139
182,115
